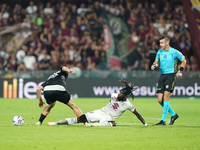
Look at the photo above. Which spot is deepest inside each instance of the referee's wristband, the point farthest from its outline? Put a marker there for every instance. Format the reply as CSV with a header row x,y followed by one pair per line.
x,y
181,69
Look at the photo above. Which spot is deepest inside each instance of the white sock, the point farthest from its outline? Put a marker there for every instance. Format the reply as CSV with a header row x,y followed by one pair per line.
x,y
105,123
67,121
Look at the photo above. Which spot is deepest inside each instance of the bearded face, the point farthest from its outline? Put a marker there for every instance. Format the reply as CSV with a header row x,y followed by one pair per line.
x,y
121,96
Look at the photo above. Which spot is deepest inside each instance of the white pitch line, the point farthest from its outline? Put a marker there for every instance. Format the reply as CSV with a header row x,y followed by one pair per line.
x,y
150,125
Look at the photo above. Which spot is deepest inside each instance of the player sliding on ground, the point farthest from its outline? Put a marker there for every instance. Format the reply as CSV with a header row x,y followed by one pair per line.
x,y
105,117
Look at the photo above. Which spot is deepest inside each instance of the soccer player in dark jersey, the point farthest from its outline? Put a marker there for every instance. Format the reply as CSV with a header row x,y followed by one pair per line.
x,y
167,57
55,89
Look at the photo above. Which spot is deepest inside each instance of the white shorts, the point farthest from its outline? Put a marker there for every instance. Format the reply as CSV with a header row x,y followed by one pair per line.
x,y
98,116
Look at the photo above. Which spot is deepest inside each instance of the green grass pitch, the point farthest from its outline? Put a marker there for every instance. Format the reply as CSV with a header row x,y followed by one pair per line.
x,y
128,134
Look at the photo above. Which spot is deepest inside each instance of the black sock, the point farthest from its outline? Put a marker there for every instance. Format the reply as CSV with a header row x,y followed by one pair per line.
x,y
83,118
42,117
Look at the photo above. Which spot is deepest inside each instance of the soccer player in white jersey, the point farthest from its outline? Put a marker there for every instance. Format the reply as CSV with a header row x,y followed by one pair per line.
x,y
105,116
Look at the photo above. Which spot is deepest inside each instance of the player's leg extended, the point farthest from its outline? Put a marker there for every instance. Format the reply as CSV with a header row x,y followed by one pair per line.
x,y
100,116
76,110
69,121
66,121
104,123
48,108
44,113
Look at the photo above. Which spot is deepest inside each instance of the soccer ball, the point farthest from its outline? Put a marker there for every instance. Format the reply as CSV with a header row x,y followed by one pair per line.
x,y
18,120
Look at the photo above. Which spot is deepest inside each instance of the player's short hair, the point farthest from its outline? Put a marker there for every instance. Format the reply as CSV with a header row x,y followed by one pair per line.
x,y
165,37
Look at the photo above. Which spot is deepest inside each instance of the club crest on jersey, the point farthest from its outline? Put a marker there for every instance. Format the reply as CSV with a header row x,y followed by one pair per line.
x,y
165,56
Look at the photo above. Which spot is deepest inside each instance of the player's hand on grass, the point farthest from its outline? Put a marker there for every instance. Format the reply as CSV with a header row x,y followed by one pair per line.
x,y
41,103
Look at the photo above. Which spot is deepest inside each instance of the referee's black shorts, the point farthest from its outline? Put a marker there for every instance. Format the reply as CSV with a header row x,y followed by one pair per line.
x,y
52,96
166,82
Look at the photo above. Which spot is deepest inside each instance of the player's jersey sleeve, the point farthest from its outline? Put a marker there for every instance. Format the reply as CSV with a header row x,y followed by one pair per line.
x,y
179,55
64,73
158,56
43,84
130,106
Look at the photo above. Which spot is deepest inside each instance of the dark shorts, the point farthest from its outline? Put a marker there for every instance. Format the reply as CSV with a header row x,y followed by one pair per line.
x,y
52,96
166,82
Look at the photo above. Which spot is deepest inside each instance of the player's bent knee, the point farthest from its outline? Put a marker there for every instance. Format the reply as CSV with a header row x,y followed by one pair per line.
x,y
71,104
50,106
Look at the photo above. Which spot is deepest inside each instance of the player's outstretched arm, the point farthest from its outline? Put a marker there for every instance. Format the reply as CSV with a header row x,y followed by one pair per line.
x,y
68,70
139,116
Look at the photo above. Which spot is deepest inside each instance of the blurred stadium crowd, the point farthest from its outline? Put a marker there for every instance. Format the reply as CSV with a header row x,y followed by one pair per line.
x,y
71,33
